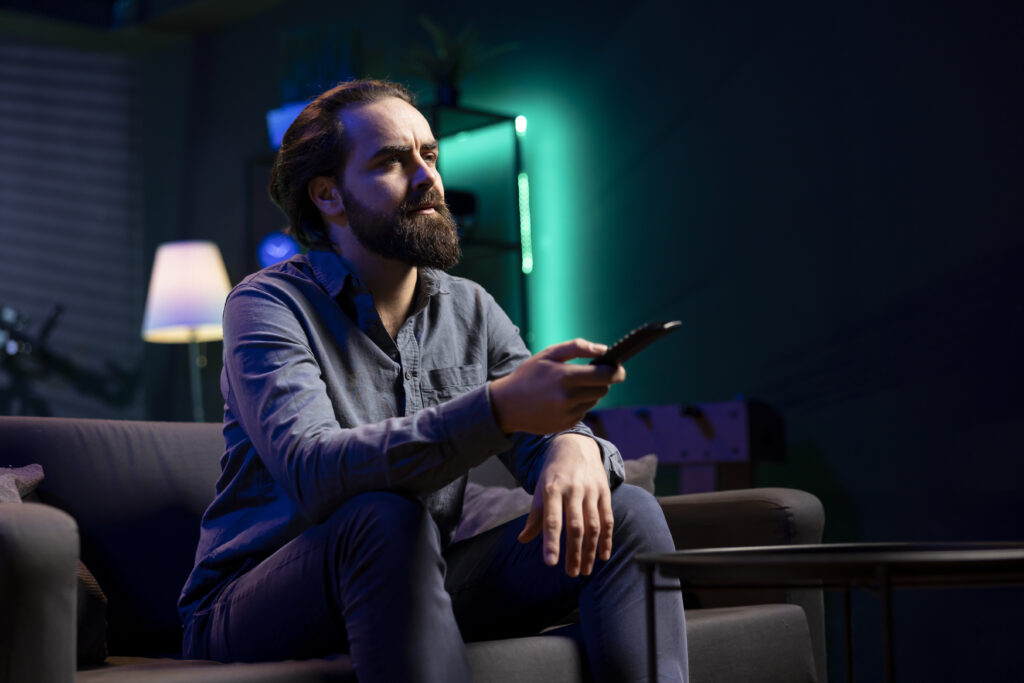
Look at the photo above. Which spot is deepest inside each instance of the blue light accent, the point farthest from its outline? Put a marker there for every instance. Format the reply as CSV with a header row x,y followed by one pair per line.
x,y
279,119
276,247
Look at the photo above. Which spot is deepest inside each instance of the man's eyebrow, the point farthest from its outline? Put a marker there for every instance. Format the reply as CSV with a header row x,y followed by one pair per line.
x,y
390,150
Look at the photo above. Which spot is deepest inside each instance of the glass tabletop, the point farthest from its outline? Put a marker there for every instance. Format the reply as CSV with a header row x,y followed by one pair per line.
x,y
896,563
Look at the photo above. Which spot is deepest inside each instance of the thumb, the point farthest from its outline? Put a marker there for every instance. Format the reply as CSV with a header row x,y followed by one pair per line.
x,y
532,526
574,348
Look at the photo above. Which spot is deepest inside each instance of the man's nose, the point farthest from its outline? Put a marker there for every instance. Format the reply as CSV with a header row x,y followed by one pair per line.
x,y
424,176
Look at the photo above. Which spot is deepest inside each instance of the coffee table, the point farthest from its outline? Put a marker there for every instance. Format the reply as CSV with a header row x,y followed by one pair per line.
x,y
879,567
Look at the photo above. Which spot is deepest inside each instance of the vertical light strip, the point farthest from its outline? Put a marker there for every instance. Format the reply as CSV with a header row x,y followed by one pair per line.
x,y
525,227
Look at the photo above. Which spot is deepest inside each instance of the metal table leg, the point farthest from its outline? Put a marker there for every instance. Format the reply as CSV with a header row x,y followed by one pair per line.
x,y
652,637
888,656
848,633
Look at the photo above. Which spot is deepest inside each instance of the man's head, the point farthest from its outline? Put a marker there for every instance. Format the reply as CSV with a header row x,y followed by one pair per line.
x,y
361,156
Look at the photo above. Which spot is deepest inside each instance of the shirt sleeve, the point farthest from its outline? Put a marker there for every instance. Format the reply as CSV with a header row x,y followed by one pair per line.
x,y
274,388
525,458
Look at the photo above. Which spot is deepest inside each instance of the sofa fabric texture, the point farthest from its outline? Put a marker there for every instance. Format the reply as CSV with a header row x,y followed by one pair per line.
x,y
126,498
18,484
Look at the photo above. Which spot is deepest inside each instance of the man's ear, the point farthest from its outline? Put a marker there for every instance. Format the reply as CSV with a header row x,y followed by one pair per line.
x,y
325,195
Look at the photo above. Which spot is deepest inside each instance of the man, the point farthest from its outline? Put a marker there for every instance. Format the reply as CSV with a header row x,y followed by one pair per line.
x,y
361,382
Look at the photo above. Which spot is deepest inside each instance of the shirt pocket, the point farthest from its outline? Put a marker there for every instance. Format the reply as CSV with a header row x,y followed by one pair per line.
x,y
443,384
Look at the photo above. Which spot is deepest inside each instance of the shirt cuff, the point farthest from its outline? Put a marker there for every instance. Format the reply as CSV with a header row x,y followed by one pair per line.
x,y
471,427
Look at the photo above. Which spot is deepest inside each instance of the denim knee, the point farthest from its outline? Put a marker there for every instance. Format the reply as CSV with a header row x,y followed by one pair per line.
x,y
639,521
384,524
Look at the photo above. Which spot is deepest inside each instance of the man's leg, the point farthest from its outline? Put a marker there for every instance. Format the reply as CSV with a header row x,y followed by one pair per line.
x,y
369,581
502,588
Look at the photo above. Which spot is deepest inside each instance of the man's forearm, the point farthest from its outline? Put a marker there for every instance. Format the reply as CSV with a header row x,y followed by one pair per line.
x,y
526,457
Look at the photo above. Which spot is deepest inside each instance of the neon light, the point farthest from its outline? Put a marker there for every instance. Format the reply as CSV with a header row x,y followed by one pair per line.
x,y
525,227
279,119
520,125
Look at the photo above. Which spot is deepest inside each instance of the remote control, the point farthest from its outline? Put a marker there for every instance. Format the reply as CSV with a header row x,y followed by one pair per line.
x,y
634,342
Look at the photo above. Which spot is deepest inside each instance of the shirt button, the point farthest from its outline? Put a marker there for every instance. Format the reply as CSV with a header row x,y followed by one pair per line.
x,y
409,374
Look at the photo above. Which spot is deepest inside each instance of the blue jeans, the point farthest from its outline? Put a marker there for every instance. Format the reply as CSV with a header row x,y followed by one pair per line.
x,y
372,581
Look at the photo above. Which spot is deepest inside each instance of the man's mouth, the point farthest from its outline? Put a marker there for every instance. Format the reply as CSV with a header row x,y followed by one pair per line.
x,y
423,209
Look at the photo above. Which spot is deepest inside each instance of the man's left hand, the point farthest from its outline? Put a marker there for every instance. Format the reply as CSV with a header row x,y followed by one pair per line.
x,y
573,485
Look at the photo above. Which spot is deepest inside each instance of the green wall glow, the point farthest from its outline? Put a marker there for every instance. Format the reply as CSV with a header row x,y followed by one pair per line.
x,y
482,162
555,235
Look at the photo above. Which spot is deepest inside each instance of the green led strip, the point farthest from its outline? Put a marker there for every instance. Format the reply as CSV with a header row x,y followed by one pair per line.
x,y
525,228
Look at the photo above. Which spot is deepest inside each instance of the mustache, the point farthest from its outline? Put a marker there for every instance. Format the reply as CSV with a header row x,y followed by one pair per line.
x,y
429,196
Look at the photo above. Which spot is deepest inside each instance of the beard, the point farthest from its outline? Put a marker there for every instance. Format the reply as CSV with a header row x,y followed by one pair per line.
x,y
430,241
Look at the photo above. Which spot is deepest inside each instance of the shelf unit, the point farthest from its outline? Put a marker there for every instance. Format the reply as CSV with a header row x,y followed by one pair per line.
x,y
510,242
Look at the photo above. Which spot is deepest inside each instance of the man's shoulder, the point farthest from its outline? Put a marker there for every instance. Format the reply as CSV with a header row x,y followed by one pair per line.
x,y
281,274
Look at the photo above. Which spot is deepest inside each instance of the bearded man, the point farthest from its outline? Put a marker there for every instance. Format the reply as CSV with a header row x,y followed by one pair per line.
x,y
360,383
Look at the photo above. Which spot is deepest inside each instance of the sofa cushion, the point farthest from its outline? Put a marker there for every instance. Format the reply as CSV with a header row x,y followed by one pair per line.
x,y
137,491
163,670
764,643
550,658
18,483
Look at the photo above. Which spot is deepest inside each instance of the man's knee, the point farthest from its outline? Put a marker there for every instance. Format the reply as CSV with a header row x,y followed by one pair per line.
x,y
384,524
639,520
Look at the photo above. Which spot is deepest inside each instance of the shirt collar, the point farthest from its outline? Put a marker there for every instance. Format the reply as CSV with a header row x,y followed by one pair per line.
x,y
335,274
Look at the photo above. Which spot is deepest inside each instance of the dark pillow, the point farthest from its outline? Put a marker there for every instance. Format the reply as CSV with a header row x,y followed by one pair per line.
x,y
92,618
18,484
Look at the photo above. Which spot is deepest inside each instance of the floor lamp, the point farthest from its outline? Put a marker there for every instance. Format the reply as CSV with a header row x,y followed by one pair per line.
x,y
186,299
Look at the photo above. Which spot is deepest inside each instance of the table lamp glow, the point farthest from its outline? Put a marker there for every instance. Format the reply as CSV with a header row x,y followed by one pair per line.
x,y
187,290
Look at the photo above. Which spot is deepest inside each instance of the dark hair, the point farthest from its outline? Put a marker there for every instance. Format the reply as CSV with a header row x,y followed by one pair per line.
x,y
315,145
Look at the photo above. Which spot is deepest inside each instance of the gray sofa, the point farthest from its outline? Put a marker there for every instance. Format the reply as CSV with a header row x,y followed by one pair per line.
x,y
126,497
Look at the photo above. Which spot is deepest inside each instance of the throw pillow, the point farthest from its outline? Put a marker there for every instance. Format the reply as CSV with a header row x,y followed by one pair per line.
x,y
19,483
485,507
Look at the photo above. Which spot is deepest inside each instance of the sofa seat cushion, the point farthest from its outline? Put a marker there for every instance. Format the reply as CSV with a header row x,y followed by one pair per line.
x,y
549,658
150,670
764,643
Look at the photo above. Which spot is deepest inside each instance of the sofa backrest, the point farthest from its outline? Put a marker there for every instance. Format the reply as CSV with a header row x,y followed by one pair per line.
x,y
138,491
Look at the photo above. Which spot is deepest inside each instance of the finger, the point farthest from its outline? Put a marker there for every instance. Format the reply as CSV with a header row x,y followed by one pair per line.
x,y
604,543
532,526
590,375
574,348
620,375
591,533
574,532
552,526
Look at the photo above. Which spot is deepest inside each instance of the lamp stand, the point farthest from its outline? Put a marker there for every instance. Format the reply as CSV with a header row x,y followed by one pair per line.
x,y
198,414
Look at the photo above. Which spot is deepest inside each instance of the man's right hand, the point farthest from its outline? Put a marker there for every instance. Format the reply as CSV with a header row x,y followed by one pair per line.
x,y
546,394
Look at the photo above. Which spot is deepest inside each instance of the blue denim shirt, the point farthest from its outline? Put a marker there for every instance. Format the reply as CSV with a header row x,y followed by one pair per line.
x,y
321,404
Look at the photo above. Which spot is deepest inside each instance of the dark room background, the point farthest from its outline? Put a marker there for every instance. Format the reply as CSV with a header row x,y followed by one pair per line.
x,y
828,195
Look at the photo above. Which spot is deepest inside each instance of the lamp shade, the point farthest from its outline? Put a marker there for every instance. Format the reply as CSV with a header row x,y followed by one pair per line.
x,y
186,294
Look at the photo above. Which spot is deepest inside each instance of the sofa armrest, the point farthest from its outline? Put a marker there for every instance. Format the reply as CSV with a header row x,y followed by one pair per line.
x,y
747,517
751,517
38,595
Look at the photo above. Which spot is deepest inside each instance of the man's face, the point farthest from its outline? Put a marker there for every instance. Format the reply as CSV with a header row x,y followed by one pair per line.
x,y
392,192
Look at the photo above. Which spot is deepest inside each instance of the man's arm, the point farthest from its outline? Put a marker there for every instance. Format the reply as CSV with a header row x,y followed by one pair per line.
x,y
275,390
570,473
547,394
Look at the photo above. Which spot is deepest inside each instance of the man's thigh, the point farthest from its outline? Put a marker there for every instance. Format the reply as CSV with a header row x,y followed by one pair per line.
x,y
501,588
283,608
